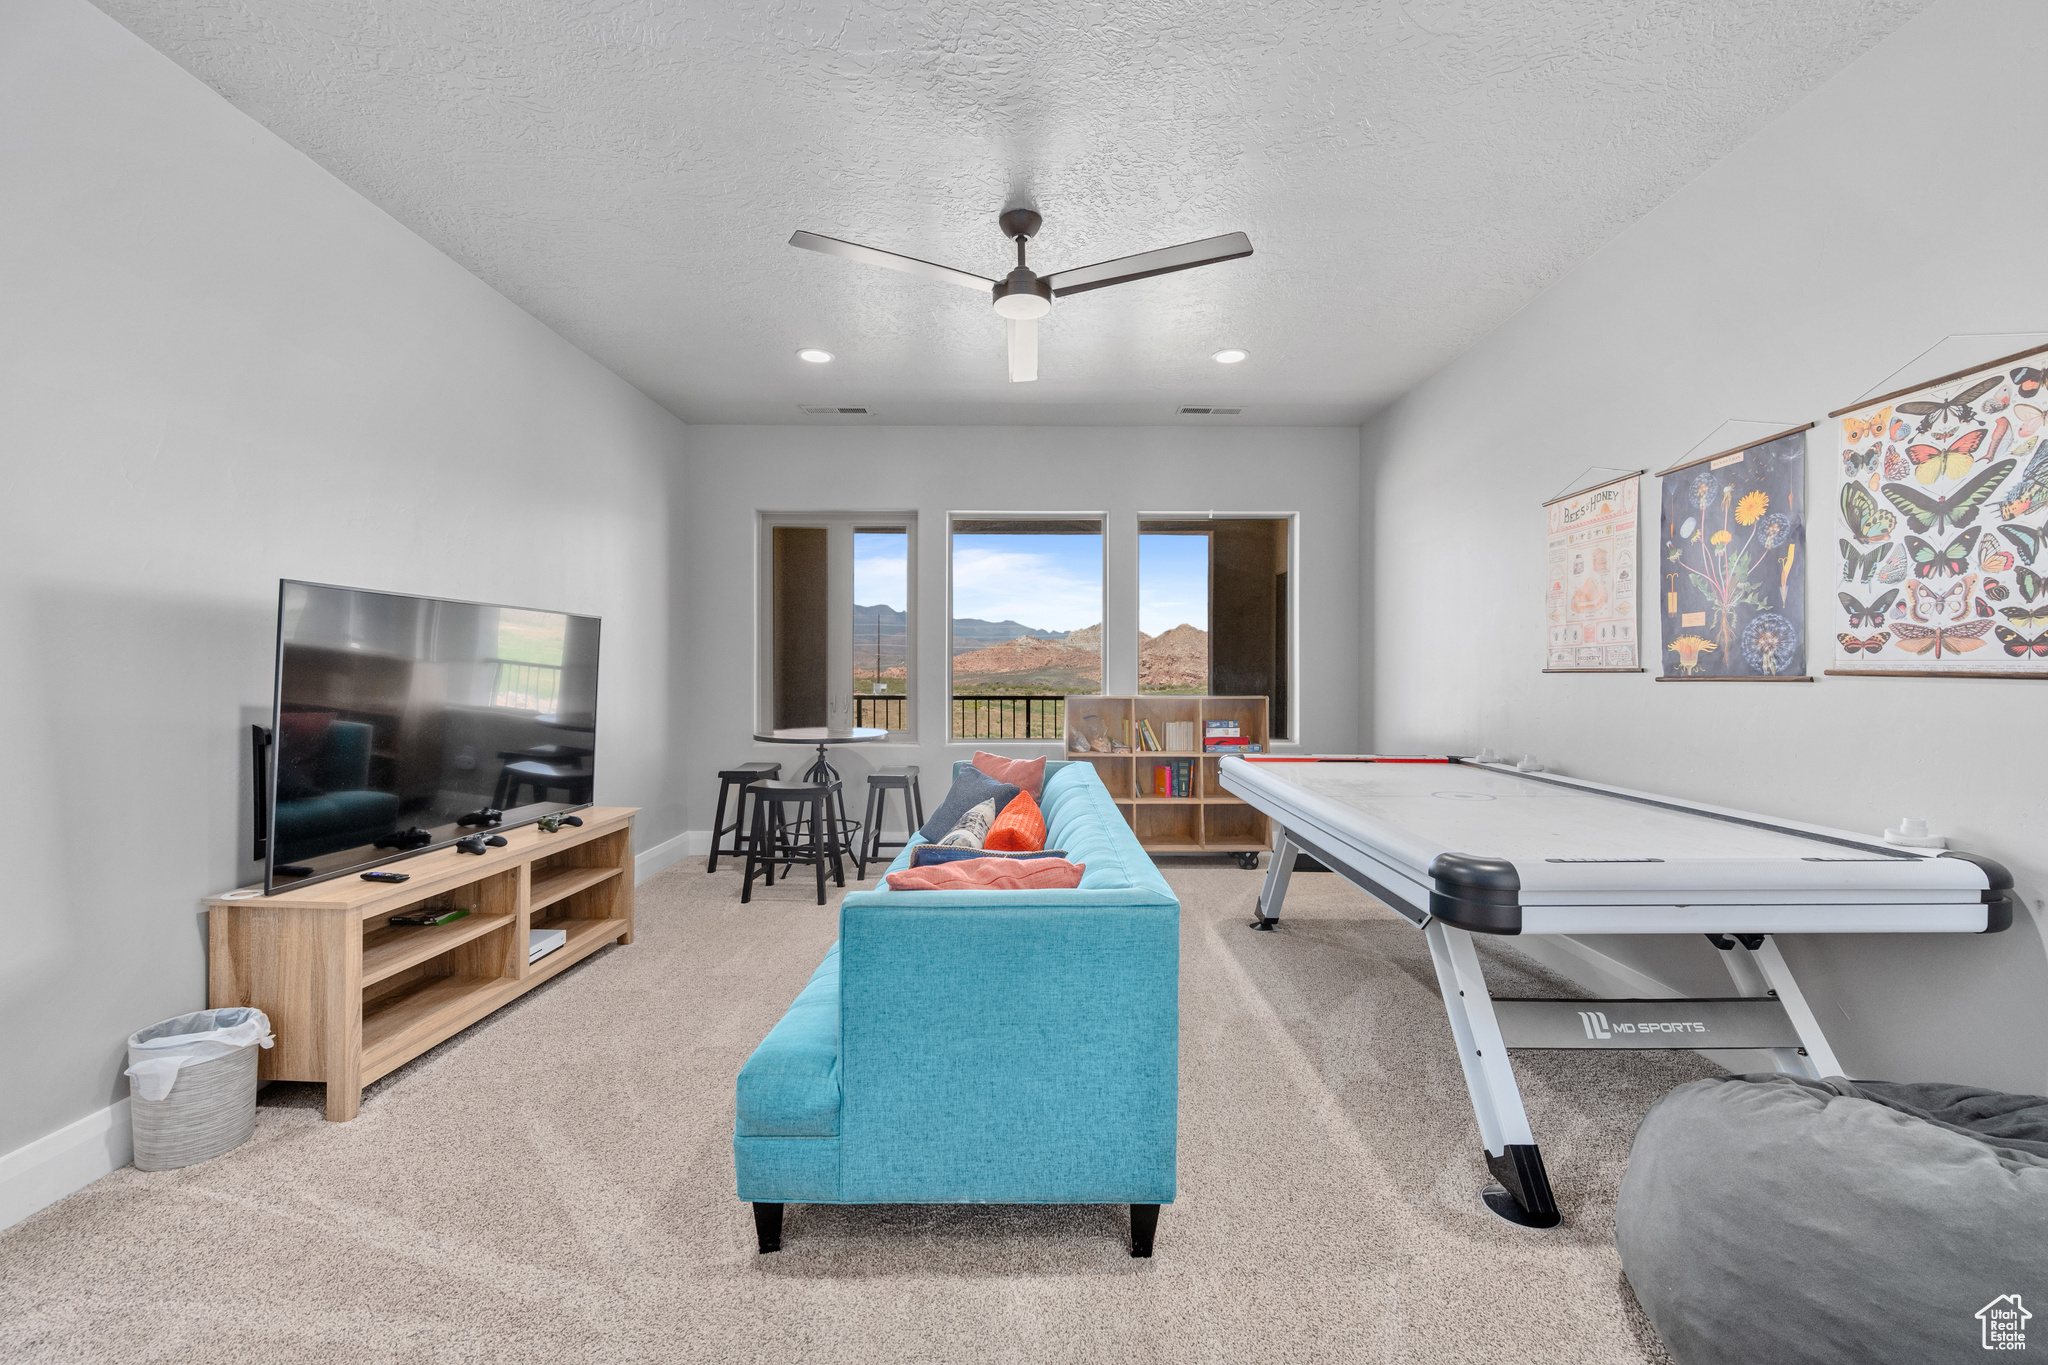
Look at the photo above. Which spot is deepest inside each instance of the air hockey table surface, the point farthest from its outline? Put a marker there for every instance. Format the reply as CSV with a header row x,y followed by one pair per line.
x,y
1461,848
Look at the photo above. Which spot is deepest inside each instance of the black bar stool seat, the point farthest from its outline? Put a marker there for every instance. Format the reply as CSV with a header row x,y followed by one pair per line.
x,y
881,782
812,838
728,778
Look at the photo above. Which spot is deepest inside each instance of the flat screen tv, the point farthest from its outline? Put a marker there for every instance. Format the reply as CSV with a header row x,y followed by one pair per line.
x,y
398,717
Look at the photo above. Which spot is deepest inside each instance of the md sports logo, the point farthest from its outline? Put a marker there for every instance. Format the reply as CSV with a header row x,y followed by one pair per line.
x,y
1597,1025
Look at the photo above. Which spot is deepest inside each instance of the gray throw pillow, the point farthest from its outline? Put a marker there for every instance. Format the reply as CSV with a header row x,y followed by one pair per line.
x,y
970,789
973,827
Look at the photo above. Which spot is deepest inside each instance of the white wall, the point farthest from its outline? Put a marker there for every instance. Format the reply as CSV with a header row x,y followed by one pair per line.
x,y
1859,229
735,473
219,366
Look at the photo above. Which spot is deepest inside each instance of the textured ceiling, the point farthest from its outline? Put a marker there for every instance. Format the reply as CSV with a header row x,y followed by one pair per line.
x,y
630,172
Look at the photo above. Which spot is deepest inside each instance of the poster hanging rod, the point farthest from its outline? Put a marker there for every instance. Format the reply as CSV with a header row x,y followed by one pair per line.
x,y
1736,450
1614,476
1963,373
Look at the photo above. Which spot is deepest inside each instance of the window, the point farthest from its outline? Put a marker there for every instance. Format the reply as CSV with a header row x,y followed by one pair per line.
x,y
1026,623
1213,610
881,628
837,641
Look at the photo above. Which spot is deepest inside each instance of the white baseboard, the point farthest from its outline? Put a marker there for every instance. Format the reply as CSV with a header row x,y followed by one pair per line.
x,y
691,843
36,1176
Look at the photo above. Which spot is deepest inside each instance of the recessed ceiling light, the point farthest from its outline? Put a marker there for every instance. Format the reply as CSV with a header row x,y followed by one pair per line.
x,y
814,355
1232,356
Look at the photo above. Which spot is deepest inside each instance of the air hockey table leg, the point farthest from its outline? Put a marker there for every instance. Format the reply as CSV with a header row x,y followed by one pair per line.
x,y
1761,970
1511,1152
1275,889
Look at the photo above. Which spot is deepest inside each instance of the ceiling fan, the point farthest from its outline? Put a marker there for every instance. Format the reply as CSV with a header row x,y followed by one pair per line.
x,y
1021,297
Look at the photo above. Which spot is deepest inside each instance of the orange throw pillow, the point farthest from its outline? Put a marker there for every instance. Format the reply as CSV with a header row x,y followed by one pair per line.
x,y
1019,829
1027,775
990,874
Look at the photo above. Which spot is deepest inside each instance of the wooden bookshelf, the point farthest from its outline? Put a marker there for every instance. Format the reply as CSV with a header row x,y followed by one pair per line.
x,y
1208,819
352,996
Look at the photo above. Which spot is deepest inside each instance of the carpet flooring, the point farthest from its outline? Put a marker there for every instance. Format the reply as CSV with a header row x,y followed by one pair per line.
x,y
555,1184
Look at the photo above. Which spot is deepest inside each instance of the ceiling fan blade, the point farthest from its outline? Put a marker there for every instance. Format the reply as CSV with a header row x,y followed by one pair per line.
x,y
1023,349
1145,264
853,251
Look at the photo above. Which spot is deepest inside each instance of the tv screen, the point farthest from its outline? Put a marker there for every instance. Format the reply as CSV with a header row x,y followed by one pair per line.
x,y
398,716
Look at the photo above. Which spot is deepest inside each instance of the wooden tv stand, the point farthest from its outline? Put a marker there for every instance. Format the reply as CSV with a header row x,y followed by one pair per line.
x,y
352,996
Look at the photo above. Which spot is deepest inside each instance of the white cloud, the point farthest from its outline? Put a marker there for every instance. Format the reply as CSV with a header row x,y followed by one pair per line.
x,y
881,577
1030,589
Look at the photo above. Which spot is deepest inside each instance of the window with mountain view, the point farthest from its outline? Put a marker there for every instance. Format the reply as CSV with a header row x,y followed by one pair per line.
x,y
838,605
1213,611
881,621
1026,623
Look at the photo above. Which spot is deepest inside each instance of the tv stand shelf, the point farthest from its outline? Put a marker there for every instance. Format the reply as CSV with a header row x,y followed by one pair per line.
x,y
352,996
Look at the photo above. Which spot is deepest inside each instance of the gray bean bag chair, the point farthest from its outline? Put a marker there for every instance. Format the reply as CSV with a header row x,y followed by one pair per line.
x,y
1766,1218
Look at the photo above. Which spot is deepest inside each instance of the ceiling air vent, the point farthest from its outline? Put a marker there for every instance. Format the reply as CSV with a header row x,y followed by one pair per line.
x,y
834,412
1209,412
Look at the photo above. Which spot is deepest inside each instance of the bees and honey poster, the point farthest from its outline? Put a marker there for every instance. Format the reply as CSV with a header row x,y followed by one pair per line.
x,y
1732,586
1942,512
1589,599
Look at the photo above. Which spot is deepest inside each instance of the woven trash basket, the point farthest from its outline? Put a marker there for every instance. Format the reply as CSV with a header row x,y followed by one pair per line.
x,y
193,1091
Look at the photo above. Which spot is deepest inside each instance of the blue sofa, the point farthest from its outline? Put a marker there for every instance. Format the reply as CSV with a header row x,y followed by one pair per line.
x,y
982,1047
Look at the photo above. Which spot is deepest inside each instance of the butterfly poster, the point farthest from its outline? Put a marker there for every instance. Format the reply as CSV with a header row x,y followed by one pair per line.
x,y
1589,601
1941,519
1732,599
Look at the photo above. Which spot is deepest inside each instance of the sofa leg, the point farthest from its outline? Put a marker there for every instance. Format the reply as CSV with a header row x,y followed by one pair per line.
x,y
1144,1223
768,1227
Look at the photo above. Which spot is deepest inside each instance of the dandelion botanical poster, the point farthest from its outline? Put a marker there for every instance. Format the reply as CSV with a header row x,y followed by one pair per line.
x,y
1732,597
1939,526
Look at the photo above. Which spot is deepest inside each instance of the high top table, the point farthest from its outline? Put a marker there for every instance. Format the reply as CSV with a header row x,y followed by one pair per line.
x,y
1459,848
823,736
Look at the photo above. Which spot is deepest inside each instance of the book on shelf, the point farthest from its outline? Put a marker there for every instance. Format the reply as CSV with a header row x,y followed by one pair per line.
x,y
1246,747
1149,736
1215,728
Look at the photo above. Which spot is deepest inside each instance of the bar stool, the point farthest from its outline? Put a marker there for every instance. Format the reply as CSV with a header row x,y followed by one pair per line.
x,y
881,782
781,840
728,779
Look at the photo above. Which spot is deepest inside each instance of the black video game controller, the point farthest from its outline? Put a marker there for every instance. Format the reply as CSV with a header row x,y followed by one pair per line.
x,y
405,838
473,844
489,815
496,841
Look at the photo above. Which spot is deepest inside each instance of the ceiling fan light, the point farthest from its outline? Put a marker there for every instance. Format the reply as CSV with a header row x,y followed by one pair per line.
x,y
1231,356
814,355
1023,307
1023,296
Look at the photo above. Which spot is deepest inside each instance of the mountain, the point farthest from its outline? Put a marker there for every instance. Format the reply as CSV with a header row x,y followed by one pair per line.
x,y
1174,658
969,633
1035,661
892,623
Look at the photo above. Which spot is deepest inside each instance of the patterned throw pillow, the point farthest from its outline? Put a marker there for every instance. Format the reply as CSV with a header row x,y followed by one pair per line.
x,y
1019,829
972,829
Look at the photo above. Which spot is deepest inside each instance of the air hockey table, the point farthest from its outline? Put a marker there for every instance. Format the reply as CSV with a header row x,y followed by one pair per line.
x,y
1460,847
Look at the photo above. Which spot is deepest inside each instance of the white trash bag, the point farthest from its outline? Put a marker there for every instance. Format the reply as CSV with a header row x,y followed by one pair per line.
x,y
159,1052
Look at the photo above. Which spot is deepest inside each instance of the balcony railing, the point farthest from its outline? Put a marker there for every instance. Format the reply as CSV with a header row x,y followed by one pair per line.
x,y
883,713
976,715
985,716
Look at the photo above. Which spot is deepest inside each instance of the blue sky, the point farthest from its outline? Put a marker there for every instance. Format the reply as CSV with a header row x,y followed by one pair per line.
x,y
1173,583
1048,582
880,576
